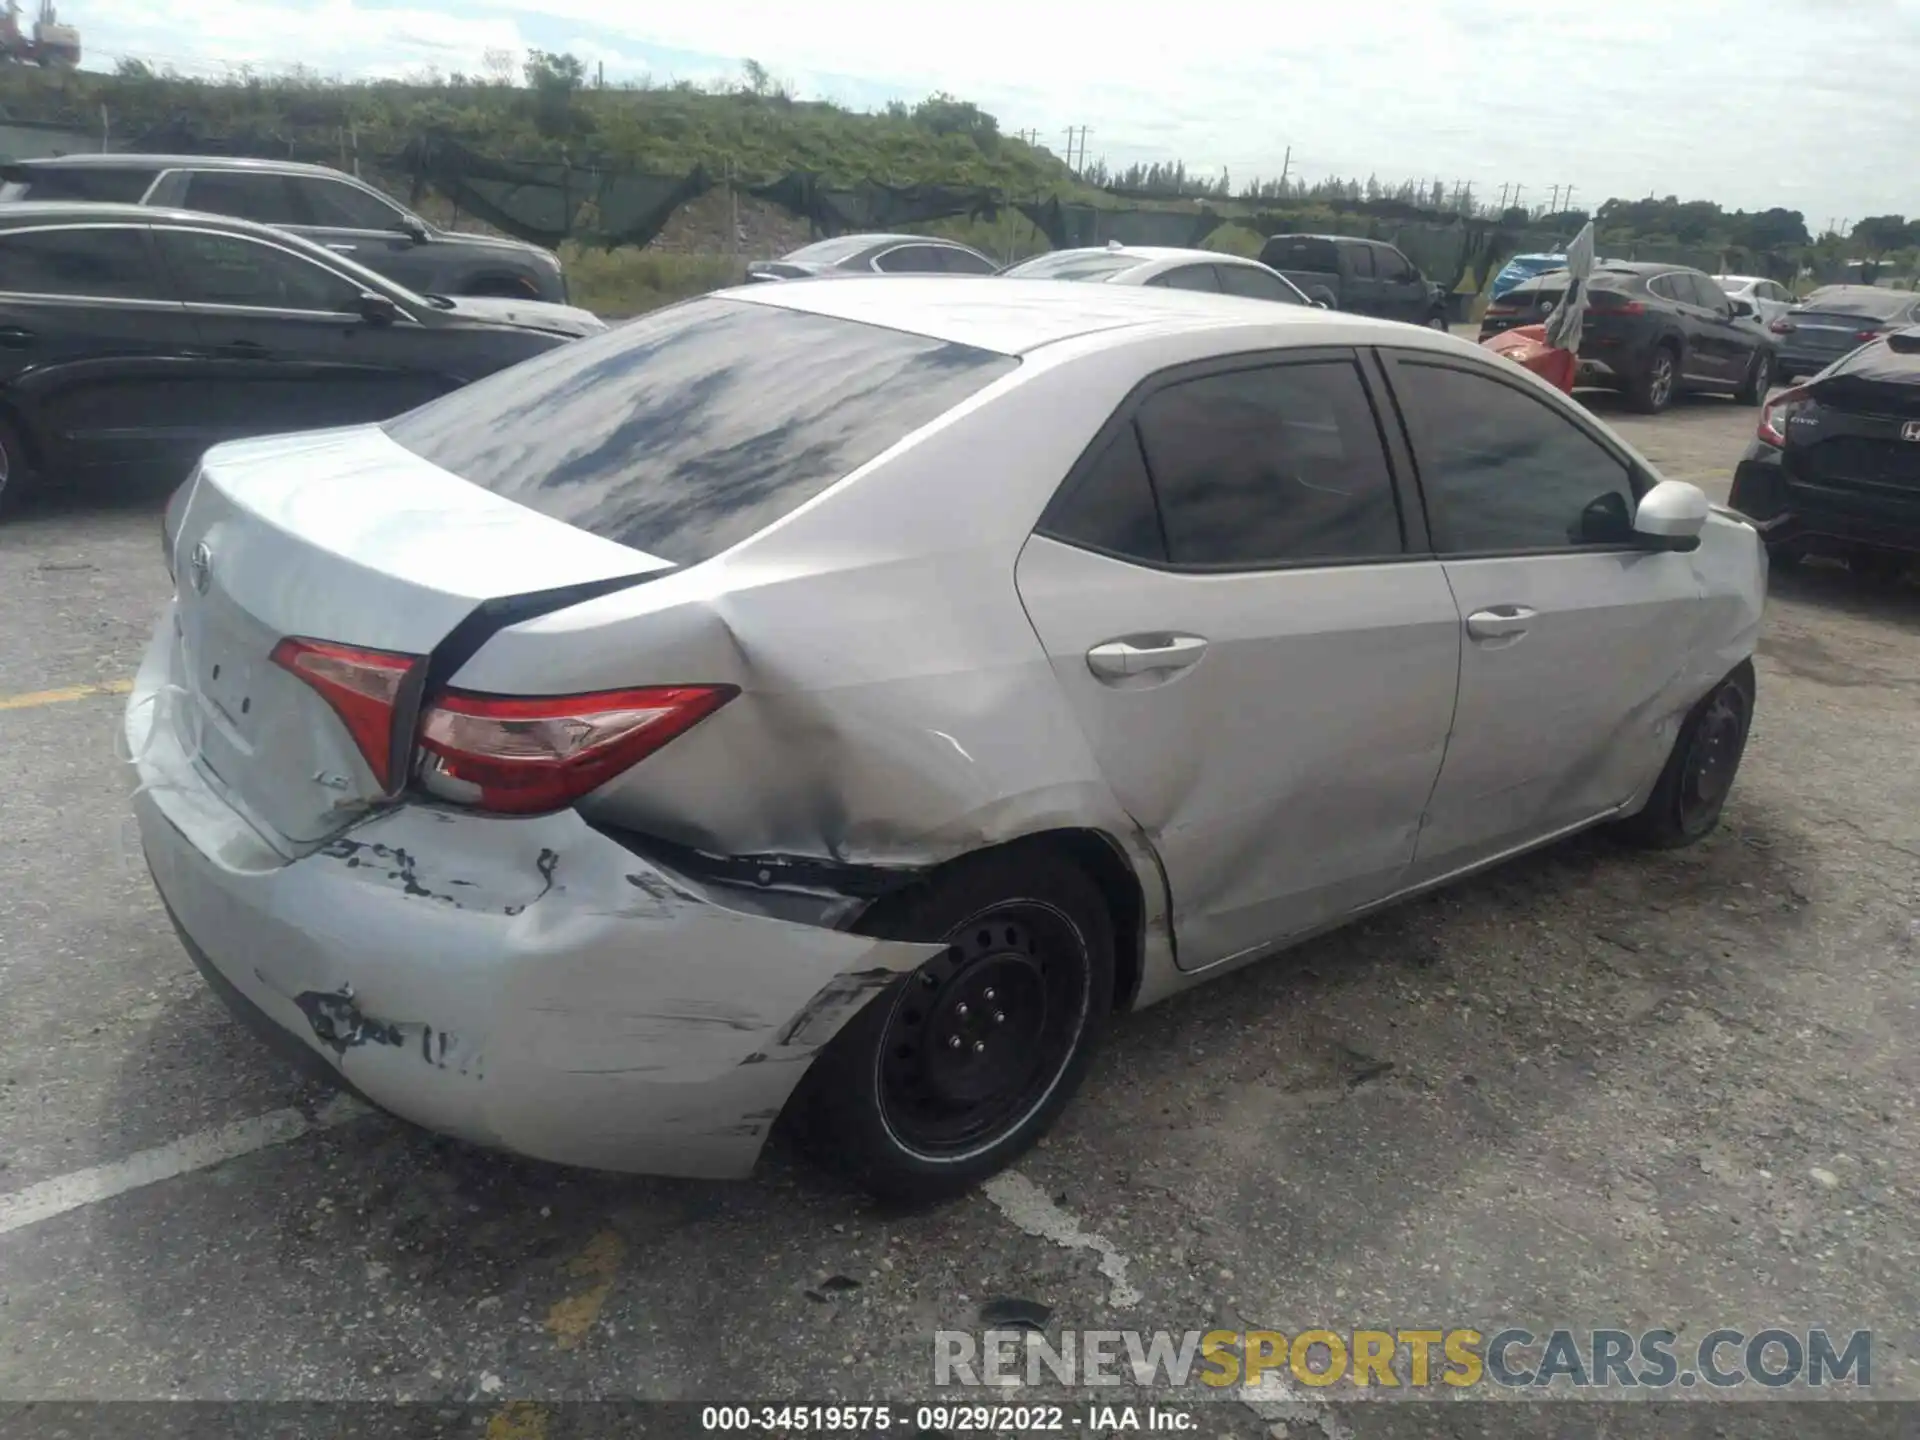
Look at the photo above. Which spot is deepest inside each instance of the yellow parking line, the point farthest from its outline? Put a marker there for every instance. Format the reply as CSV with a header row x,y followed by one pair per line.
x,y
60,697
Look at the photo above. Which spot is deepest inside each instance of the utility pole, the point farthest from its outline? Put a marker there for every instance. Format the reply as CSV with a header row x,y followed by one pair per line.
x,y
1566,201
1505,185
600,77
1286,164
1517,191
1553,205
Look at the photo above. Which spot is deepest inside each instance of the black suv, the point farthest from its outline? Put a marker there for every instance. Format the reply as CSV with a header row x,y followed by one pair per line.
x,y
132,338
322,205
1835,467
1651,331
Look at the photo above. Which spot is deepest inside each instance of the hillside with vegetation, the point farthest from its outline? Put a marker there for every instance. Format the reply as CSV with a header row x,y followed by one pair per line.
x,y
547,108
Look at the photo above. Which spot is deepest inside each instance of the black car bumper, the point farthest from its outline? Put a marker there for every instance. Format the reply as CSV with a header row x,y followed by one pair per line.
x,y
1789,512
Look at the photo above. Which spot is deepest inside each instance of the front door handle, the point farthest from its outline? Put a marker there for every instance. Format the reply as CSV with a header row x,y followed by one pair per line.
x,y
341,249
1501,622
1145,655
12,337
248,348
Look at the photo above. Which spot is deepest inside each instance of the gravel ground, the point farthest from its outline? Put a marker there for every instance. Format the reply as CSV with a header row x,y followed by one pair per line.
x,y
1595,1088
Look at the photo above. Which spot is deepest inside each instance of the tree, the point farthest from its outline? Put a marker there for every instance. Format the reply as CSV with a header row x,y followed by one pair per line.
x,y
755,78
1878,234
944,114
1764,230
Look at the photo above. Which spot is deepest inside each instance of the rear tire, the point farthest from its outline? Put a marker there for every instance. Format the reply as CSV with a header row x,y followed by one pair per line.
x,y
1692,789
17,475
1438,321
952,1072
1652,390
1753,390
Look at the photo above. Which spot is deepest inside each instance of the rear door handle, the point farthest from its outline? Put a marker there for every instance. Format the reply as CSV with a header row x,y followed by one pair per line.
x,y
243,347
1145,655
1500,622
343,249
12,337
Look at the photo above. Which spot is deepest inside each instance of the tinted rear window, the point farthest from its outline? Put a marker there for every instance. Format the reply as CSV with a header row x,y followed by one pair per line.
x,y
687,431
1873,304
1285,252
96,184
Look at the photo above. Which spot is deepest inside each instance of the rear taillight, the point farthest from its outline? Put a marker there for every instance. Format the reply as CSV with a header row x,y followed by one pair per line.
x,y
1501,307
1605,302
1775,414
520,756
1782,327
363,687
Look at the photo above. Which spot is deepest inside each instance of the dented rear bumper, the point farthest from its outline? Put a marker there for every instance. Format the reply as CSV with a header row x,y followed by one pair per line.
x,y
528,983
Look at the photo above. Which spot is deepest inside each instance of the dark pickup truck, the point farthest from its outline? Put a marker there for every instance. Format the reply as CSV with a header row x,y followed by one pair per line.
x,y
1365,277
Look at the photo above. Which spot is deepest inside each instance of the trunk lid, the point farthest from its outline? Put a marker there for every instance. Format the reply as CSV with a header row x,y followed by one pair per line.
x,y
1856,445
347,537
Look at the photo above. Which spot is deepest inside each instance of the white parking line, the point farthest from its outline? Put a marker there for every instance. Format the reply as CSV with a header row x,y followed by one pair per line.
x,y
1028,1207
179,1157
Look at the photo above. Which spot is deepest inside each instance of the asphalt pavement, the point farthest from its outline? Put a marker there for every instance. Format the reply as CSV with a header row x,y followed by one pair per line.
x,y
1595,1088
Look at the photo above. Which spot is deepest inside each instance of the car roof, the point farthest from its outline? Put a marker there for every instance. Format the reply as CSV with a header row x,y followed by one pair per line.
x,y
991,314
1740,279
28,212
122,161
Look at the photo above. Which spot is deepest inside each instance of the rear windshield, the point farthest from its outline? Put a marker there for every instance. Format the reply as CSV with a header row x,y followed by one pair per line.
x,y
828,252
100,184
1874,304
691,429
1074,265
1284,252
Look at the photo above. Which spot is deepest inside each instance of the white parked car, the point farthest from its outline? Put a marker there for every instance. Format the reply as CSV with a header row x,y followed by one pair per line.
x,y
850,697
1767,300
1163,268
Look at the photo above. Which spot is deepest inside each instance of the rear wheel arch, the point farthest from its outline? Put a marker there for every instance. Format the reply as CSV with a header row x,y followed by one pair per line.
x,y
1102,859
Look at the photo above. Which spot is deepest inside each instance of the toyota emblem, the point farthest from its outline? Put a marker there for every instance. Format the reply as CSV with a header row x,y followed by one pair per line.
x,y
1910,430
200,567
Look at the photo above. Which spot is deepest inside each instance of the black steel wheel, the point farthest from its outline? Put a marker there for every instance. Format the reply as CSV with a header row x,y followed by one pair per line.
x,y
981,1032
1692,790
952,1071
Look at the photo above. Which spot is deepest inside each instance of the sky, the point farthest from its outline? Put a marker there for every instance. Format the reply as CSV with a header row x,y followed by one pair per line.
x,y
1806,104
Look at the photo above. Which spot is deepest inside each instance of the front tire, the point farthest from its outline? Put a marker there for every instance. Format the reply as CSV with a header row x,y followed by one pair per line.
x,y
1692,790
952,1072
1753,390
1438,321
1652,389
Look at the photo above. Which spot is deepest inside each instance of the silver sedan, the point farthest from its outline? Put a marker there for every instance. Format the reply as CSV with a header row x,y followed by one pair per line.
x,y
842,701
1163,268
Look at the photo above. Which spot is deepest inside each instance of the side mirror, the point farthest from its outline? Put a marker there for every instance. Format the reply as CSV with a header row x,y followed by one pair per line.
x,y
376,309
413,230
1671,516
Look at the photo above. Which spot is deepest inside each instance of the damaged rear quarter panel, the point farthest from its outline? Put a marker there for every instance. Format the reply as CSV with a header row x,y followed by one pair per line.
x,y
895,706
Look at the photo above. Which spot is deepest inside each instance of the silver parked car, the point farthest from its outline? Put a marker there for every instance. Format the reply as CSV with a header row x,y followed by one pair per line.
x,y
841,700
1163,268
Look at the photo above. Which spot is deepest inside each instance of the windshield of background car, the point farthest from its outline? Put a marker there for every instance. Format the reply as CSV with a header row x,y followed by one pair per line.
x,y
1088,265
691,429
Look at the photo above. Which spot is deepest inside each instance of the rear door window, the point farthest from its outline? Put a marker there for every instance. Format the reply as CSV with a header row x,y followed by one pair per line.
x,y
1390,264
1360,261
96,184
913,260
257,195
1275,465
693,428
1256,284
965,262
1188,277
104,262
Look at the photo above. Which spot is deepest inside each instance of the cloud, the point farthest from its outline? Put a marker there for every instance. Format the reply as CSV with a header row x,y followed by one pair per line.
x,y
1762,102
